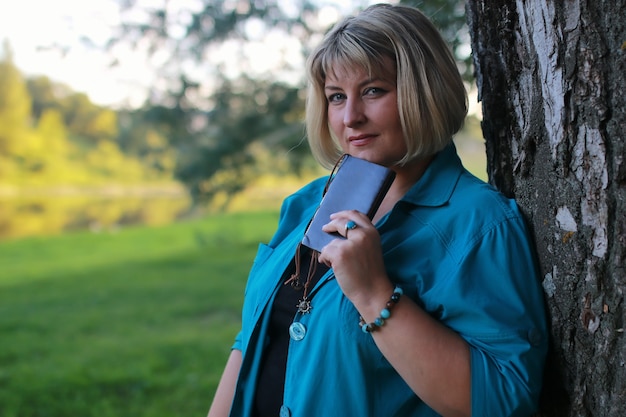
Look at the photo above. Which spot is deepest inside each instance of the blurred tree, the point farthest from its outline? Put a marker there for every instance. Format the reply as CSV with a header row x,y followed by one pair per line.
x,y
245,112
46,147
15,104
51,135
108,162
213,116
52,127
103,125
147,139
214,110
56,150
45,94
449,17
88,120
551,78
160,158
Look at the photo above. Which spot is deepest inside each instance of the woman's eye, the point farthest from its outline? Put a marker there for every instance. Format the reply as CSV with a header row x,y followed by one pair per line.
x,y
371,91
333,98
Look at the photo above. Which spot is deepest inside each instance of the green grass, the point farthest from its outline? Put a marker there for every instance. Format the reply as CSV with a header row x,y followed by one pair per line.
x,y
136,323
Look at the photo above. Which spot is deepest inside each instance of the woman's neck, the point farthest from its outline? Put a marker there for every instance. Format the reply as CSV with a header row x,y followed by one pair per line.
x,y
406,177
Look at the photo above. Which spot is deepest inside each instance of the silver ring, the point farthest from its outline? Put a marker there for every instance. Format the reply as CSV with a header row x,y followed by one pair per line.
x,y
350,225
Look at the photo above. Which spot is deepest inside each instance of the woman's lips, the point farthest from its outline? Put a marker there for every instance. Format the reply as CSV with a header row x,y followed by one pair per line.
x,y
360,140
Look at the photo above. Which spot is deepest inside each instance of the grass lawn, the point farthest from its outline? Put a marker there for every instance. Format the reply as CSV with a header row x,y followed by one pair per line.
x,y
133,323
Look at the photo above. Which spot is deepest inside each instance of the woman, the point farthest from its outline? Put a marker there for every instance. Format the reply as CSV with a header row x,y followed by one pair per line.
x,y
464,331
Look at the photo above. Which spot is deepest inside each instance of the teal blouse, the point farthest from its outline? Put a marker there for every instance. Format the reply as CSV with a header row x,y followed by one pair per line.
x,y
460,250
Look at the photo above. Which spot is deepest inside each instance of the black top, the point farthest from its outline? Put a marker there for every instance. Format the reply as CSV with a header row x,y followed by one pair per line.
x,y
271,382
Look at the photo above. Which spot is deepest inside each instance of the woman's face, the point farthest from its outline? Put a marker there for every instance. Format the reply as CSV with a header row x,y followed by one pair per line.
x,y
363,113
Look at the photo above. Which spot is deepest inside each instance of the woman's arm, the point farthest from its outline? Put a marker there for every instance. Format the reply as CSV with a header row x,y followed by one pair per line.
x,y
497,309
225,392
432,359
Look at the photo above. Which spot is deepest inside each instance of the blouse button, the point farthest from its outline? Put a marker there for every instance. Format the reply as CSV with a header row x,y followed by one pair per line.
x,y
297,331
284,411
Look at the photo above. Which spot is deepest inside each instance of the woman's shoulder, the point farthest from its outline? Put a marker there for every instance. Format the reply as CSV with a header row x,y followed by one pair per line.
x,y
473,195
468,209
477,210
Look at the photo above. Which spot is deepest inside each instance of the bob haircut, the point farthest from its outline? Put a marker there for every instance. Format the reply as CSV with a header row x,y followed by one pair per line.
x,y
432,101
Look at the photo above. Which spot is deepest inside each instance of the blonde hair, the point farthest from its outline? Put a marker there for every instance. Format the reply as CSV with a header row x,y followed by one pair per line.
x,y
432,101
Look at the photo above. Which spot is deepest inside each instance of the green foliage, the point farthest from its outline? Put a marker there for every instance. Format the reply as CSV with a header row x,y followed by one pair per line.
x,y
222,158
15,105
214,135
150,134
88,120
47,150
41,215
51,136
449,17
135,323
45,94
218,134
211,129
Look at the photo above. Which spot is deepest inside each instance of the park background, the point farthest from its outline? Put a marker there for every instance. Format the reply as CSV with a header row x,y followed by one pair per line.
x,y
128,223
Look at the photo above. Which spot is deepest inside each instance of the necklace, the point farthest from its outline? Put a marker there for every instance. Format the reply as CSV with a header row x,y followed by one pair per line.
x,y
304,304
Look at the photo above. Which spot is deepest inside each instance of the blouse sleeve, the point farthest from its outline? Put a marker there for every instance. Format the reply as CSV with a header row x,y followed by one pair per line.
x,y
495,302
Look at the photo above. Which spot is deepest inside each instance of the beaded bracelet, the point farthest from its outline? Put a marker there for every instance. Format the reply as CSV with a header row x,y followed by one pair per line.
x,y
385,313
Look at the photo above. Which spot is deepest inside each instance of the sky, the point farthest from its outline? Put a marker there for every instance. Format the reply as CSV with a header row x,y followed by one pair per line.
x,y
33,27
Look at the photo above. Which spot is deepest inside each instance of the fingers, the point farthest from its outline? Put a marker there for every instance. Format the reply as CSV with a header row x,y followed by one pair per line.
x,y
345,221
350,225
357,259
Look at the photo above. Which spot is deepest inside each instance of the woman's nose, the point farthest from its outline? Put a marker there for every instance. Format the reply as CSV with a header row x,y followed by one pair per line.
x,y
353,113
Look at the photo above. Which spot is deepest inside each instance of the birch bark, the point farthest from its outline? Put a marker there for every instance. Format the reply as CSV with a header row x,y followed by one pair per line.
x,y
551,76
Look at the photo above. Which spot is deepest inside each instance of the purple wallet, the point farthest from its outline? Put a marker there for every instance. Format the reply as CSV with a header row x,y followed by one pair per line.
x,y
356,185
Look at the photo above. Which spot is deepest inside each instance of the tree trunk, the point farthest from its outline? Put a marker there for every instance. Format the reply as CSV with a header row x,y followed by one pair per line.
x,y
551,76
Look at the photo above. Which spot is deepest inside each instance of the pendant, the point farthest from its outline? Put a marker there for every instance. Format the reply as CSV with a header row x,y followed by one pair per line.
x,y
304,306
297,331
295,284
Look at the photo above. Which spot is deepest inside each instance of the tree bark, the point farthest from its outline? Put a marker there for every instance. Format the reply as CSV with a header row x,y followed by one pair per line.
x,y
551,76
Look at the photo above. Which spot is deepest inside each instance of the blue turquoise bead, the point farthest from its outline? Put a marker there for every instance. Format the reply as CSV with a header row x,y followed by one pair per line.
x,y
385,313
